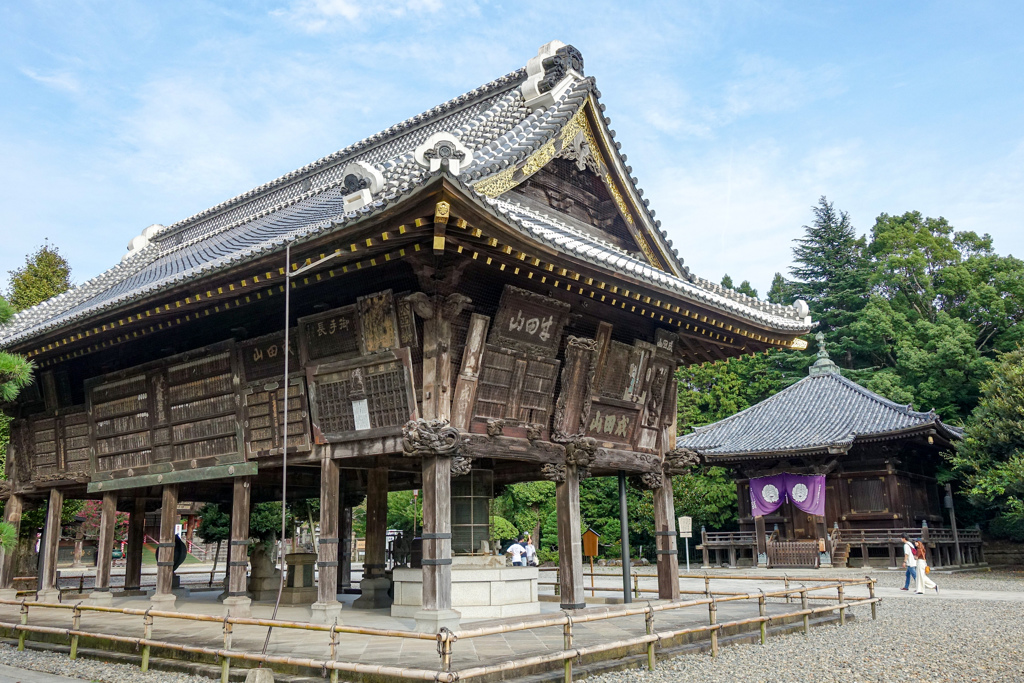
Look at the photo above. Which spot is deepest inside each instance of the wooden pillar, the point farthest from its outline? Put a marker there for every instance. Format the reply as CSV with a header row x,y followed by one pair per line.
x,y
136,540
665,541
237,603
163,598
327,607
570,542
437,546
105,547
12,515
51,542
374,586
760,535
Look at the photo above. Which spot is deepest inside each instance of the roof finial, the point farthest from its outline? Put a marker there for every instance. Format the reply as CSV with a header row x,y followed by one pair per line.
x,y
824,364
820,338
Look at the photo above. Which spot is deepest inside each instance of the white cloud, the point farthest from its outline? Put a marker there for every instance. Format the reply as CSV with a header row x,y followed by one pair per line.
x,y
316,16
64,81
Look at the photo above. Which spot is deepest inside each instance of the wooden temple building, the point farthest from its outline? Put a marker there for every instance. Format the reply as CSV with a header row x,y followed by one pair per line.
x,y
481,291
878,460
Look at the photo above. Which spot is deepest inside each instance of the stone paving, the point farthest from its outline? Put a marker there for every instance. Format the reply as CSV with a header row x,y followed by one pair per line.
x,y
411,653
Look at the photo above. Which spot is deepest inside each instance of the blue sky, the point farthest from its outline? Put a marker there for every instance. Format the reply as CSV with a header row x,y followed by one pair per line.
x,y
736,116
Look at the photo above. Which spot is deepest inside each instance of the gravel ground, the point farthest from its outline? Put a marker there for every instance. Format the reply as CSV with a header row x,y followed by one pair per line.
x,y
88,669
914,639
995,580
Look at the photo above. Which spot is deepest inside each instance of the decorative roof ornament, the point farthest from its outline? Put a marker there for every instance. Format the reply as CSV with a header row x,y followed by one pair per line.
x,y
361,181
824,364
580,152
141,241
550,73
443,149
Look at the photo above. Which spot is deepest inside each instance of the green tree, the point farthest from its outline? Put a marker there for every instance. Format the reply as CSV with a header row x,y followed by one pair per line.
x,y
214,524
830,273
708,494
991,455
780,291
744,288
15,371
45,275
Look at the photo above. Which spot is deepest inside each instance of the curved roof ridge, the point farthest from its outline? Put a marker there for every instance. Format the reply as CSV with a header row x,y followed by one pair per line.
x,y
465,99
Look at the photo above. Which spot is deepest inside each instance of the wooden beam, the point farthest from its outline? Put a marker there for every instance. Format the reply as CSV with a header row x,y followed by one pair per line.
x,y
136,537
12,514
327,560
437,533
105,545
512,448
51,538
240,499
570,541
665,541
165,551
466,385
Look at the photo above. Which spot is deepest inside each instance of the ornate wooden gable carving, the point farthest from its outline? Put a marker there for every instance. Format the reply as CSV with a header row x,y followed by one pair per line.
x,y
179,413
262,363
519,368
359,374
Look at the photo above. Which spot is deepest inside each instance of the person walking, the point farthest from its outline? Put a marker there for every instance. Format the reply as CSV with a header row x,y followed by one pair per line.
x,y
909,562
922,570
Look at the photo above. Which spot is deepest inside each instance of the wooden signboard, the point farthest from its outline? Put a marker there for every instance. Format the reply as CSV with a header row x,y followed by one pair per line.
x,y
179,413
368,326
262,363
590,539
519,368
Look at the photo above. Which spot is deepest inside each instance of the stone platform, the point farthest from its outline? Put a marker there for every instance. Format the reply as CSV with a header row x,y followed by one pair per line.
x,y
480,590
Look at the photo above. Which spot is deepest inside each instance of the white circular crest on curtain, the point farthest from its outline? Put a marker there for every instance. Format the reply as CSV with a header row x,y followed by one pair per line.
x,y
800,493
770,493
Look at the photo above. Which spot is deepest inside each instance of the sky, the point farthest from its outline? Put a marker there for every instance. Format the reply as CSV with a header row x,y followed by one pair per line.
x,y
736,116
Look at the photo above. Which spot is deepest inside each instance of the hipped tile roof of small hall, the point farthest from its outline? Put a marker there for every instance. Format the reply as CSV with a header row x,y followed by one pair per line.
x,y
820,412
499,130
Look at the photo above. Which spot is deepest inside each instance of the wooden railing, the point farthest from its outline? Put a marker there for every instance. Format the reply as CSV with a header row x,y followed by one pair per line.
x,y
446,639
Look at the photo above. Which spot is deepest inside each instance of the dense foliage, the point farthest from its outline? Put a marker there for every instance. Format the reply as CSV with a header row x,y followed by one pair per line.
x,y
991,455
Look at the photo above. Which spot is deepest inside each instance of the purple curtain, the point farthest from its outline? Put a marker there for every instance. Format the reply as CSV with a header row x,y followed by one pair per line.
x,y
767,494
806,492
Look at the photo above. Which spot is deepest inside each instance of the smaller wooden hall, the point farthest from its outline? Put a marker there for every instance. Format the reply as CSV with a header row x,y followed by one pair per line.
x,y
825,469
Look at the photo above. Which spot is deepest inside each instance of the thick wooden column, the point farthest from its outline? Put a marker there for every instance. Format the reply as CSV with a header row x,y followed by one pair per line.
x,y
327,607
762,543
105,548
163,598
570,542
437,535
237,603
665,541
374,586
136,540
51,542
12,515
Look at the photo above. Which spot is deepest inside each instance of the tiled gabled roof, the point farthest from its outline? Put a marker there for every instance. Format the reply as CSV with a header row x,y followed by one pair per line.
x,y
492,121
816,414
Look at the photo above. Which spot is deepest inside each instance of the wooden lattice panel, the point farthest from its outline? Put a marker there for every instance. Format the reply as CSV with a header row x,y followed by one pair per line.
x,y
55,447
516,387
352,397
182,409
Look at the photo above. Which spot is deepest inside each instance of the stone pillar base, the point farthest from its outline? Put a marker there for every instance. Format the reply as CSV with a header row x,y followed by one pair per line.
x,y
325,612
259,676
101,598
374,594
162,602
49,595
131,593
9,594
433,620
237,606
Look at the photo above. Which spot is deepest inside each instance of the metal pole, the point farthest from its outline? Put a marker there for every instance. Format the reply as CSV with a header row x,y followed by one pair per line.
x,y
952,523
284,433
624,531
